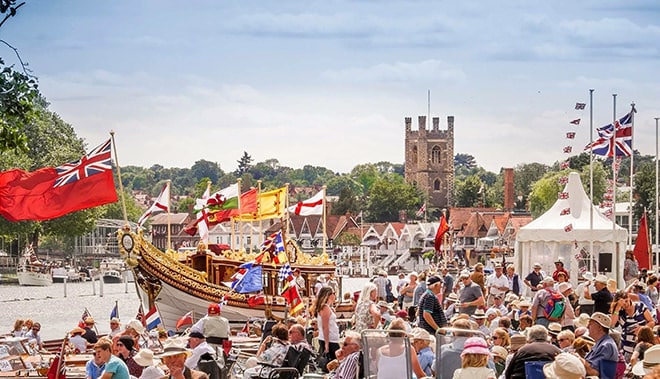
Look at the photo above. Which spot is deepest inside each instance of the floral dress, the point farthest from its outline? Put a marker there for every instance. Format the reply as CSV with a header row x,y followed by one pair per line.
x,y
363,317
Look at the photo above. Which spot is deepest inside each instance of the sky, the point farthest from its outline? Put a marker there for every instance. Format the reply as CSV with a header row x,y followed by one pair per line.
x,y
329,83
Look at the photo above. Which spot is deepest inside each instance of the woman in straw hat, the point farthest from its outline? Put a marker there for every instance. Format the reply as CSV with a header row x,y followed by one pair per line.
x,y
145,358
174,357
76,339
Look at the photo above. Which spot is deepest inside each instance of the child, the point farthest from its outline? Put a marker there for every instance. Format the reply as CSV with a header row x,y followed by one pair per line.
x,y
474,359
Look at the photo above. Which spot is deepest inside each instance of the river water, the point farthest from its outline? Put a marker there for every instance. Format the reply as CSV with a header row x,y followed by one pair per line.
x,y
58,313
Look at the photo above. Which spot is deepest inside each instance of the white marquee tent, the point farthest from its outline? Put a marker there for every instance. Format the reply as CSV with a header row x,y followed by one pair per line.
x,y
546,239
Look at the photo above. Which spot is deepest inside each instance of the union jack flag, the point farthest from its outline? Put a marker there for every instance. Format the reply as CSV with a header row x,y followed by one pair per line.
x,y
615,139
563,195
607,196
568,149
568,228
565,211
565,165
570,135
580,106
562,180
608,213
605,204
576,121
97,161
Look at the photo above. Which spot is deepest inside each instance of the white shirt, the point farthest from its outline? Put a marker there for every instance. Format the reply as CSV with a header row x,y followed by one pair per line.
x,y
494,281
191,361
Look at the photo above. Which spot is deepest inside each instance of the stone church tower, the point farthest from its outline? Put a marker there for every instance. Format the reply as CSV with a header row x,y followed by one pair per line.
x,y
429,160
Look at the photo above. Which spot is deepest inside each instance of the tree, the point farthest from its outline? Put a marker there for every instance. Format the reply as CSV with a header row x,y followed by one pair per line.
x,y
243,164
365,174
115,211
348,202
205,169
465,161
645,191
469,192
389,195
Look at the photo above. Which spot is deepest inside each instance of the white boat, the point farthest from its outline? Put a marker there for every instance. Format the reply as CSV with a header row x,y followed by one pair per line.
x,y
112,276
62,273
31,271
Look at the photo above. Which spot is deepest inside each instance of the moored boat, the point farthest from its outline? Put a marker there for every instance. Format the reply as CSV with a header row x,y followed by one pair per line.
x,y
61,273
112,276
31,271
178,285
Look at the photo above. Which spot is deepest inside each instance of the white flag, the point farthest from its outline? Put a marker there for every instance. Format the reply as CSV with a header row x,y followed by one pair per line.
x,y
312,206
202,216
161,205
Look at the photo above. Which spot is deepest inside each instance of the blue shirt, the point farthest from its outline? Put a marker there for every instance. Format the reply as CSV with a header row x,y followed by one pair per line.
x,y
92,370
426,358
117,367
604,350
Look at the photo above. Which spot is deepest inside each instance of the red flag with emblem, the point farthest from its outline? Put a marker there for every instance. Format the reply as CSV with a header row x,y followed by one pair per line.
x,y
442,229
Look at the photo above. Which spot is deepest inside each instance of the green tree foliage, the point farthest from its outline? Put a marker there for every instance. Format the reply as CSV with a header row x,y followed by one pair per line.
x,y
205,169
645,190
464,161
365,174
18,98
545,191
349,201
526,174
389,195
469,192
114,211
338,182
243,164
347,239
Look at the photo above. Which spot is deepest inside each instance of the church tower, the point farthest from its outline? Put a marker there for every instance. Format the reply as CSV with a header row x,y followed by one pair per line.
x,y
429,160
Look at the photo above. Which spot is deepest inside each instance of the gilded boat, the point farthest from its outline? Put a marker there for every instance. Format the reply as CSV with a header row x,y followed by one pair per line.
x,y
178,284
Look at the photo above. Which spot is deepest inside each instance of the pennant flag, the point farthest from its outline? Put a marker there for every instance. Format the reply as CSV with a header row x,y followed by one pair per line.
x,y
255,300
563,195
442,229
115,311
152,318
53,192
580,106
568,149
421,210
565,165
162,204
186,319
568,228
642,250
565,211
248,205
608,196
563,180
140,316
202,220
614,139
576,121
570,135
294,299
311,207
608,213
606,204
247,278
84,315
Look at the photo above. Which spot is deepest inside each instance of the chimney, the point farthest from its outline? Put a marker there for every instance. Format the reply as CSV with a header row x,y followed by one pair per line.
x,y
508,189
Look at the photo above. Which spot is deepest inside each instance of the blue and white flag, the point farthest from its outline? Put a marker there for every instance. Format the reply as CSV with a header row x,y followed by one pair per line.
x,y
247,278
621,144
115,311
285,272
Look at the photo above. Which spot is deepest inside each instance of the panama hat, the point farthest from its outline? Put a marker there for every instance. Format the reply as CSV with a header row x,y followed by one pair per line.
x,y
420,334
563,287
385,305
174,346
414,273
137,325
611,285
604,320
499,351
524,303
588,276
601,279
537,265
144,358
554,328
548,280
650,361
517,341
565,366
581,321
479,313
452,297
152,372
510,297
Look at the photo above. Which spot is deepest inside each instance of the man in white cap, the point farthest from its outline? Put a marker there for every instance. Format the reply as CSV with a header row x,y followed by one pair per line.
x,y
470,296
602,297
602,360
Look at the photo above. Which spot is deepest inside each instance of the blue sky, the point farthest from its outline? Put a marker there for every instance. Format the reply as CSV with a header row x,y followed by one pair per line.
x,y
329,83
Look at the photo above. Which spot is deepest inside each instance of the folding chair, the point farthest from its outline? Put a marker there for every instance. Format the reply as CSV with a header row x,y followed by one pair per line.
x,y
384,345
534,369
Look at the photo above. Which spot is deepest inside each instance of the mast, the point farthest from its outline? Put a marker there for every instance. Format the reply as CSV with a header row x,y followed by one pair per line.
x,y
591,180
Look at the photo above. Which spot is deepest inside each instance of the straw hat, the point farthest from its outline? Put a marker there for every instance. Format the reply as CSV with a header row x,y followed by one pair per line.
x,y
581,321
537,265
144,358
548,280
136,325
601,279
563,287
510,297
499,351
565,366
414,273
588,276
77,330
517,341
385,305
611,285
152,372
554,328
601,318
174,346
89,321
650,361
524,303
479,313
420,334
453,298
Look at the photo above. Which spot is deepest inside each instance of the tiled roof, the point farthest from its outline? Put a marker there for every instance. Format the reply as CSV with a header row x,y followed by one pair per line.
x,y
175,218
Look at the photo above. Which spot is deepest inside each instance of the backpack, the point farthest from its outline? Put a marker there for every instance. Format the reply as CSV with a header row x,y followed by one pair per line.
x,y
389,296
554,309
212,366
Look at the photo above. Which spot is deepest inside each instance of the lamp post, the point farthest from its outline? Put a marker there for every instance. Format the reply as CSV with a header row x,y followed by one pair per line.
x,y
657,258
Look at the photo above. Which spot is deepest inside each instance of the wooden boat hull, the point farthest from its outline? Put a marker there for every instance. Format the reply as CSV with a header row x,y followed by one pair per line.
x,y
177,289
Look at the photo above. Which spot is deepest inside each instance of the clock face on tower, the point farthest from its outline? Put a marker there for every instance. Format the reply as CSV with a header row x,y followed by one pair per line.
x,y
127,242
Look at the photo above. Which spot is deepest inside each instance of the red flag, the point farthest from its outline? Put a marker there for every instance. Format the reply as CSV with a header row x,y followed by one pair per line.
x,y
293,299
442,229
140,316
246,328
53,192
255,300
642,250
248,204
184,320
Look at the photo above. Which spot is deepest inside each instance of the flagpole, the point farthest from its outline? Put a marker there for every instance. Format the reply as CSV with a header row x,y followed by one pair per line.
x,y
630,192
240,228
261,230
591,180
121,186
613,150
325,236
656,193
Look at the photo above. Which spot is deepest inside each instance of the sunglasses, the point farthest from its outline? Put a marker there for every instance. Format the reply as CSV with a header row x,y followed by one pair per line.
x,y
496,338
120,344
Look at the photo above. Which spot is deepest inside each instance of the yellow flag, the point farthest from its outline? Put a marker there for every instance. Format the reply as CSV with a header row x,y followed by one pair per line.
x,y
270,204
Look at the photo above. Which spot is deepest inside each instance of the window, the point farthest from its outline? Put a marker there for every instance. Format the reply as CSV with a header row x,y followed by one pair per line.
x,y
414,155
436,185
435,155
